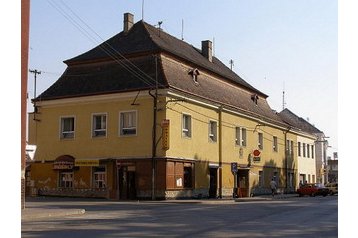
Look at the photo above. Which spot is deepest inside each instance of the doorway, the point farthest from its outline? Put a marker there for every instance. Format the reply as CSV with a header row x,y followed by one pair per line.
x,y
243,182
127,184
213,183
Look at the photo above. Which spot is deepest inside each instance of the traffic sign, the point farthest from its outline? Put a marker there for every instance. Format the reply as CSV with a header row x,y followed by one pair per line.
x,y
234,167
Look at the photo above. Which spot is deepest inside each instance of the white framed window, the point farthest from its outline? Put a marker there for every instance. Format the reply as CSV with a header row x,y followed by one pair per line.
x,y
99,177
304,149
186,126
67,127
240,136
260,141
299,148
99,125
66,179
212,131
243,137
237,136
312,151
308,150
275,144
128,123
292,145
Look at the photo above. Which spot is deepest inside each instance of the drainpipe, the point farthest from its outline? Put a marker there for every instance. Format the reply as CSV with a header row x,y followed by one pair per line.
x,y
220,151
286,156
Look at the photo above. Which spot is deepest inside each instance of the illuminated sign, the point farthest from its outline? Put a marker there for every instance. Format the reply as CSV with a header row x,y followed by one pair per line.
x,y
165,134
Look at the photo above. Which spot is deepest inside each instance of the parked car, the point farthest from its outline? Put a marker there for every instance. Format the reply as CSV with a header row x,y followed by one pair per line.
x,y
313,189
333,188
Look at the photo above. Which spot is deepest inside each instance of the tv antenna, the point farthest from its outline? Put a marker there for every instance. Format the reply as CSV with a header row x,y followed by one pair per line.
x,y
283,97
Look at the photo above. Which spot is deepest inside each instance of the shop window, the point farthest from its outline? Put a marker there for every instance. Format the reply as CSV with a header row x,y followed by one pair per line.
x,y
99,177
66,179
186,129
179,175
128,123
99,125
212,131
67,130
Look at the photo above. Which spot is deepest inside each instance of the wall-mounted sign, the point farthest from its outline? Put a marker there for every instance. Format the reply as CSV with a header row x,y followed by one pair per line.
x,y
86,162
256,159
64,162
256,153
234,167
165,134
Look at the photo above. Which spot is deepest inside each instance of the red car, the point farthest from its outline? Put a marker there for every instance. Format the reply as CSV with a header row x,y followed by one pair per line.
x,y
313,189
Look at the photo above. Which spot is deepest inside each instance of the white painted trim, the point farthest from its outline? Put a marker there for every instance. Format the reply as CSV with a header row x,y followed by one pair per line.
x,y
97,98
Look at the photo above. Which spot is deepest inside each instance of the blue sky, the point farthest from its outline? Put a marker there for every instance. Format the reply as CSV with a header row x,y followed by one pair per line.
x,y
274,44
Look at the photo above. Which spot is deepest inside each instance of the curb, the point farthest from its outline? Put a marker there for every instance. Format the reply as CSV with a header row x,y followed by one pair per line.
x,y
32,214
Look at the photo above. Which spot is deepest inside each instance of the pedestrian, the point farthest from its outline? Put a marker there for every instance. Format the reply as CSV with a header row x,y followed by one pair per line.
x,y
273,186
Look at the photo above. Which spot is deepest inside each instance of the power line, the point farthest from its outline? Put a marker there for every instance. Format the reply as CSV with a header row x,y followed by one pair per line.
x,y
144,77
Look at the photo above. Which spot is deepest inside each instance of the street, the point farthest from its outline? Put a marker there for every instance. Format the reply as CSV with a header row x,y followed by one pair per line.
x,y
293,217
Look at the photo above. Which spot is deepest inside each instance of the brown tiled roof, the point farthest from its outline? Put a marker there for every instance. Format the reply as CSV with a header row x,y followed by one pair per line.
x,y
94,72
292,119
143,37
102,78
218,91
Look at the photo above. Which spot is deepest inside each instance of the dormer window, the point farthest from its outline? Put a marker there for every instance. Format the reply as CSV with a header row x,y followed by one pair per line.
x,y
255,98
194,73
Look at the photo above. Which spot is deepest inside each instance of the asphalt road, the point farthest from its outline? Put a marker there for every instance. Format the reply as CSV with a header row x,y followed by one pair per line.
x,y
293,217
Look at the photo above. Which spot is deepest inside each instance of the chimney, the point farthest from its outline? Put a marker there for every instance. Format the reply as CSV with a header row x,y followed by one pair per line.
x,y
127,22
207,49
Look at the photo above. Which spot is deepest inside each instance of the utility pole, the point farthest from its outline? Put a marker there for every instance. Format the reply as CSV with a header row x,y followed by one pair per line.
x,y
35,72
154,132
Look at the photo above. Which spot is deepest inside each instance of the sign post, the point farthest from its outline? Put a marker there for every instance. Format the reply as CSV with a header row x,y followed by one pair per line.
x,y
234,171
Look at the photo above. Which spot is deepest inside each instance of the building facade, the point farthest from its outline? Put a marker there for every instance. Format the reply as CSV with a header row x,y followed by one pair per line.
x,y
311,148
146,115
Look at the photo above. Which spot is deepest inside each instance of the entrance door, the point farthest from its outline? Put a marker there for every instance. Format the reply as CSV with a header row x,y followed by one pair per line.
x,y
213,183
127,188
243,182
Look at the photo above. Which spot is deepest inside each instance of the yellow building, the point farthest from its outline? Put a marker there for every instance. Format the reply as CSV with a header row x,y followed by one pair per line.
x,y
146,115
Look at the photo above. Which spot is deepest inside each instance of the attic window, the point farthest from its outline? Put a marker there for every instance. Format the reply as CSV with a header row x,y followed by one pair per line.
x,y
194,73
254,98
